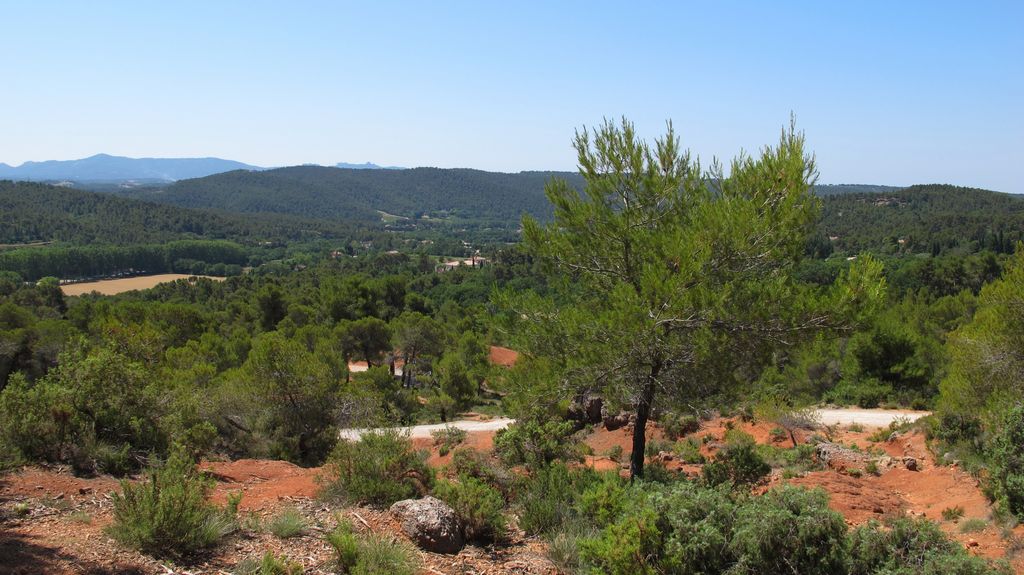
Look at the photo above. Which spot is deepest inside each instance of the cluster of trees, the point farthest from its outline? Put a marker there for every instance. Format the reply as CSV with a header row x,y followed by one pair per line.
x,y
104,383
344,194
216,257
33,212
930,219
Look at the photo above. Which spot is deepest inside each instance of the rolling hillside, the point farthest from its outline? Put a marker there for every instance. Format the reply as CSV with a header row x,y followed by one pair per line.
x,y
924,218
349,194
33,212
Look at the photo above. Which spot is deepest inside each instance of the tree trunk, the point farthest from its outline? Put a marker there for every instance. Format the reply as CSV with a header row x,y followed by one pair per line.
x,y
643,413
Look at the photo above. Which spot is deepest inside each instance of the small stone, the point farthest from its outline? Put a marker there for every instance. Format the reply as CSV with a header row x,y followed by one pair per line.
x,y
972,543
910,463
84,490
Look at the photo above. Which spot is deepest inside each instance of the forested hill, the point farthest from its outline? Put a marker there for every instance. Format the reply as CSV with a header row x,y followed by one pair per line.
x,y
336,193
925,218
32,212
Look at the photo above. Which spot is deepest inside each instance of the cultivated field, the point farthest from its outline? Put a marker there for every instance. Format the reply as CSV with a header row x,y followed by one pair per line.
x,y
111,287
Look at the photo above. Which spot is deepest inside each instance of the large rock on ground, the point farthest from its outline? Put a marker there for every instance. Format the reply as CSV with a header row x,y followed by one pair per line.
x,y
430,523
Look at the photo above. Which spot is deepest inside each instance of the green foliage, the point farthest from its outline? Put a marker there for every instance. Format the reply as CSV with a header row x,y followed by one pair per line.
x,y
480,506
287,523
952,513
545,497
448,438
94,411
475,463
676,426
167,515
371,554
688,451
906,546
537,444
382,467
973,525
299,399
661,259
739,463
1008,458
789,530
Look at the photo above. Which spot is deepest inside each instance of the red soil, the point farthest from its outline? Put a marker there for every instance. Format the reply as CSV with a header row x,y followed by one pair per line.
x,y
503,356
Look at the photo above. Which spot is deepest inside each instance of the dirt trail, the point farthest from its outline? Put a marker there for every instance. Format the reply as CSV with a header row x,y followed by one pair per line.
x,y
416,431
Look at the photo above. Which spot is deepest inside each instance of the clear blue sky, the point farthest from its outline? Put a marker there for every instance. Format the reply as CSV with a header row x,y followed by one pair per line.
x,y
887,92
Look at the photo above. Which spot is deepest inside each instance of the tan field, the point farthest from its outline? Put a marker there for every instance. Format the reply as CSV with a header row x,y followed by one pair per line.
x,y
111,287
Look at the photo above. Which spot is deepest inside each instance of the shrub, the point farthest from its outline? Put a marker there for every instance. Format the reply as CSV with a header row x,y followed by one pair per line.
x,y
631,545
910,546
741,464
1008,459
537,444
676,426
379,469
701,524
615,453
168,515
288,523
564,550
604,500
952,513
475,463
270,564
545,498
789,530
973,525
372,554
656,446
688,451
479,505
448,438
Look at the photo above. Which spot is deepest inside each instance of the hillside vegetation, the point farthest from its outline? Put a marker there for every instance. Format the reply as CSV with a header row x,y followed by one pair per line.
x,y
926,218
347,194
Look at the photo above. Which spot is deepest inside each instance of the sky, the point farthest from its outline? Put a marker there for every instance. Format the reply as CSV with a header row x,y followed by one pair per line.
x,y
892,93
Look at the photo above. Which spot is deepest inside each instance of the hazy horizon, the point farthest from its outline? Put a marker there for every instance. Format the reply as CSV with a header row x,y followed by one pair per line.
x,y
890,94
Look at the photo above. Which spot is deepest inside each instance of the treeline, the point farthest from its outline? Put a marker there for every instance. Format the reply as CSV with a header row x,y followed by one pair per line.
x,y
927,219
217,257
344,194
253,366
33,212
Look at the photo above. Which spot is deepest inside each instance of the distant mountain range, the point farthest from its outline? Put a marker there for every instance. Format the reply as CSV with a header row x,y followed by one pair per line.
x,y
117,169
107,168
365,166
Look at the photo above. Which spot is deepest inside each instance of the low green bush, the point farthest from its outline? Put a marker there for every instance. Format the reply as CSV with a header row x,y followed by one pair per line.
x,y
789,530
688,451
537,444
381,468
910,546
448,438
603,500
545,497
1008,458
371,554
167,515
480,506
287,523
676,426
738,463
476,463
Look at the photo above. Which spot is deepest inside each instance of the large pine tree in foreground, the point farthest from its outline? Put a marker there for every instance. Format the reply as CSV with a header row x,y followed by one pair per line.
x,y
675,278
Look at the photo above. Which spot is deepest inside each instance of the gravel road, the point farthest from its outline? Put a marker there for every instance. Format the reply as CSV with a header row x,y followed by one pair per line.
x,y
866,417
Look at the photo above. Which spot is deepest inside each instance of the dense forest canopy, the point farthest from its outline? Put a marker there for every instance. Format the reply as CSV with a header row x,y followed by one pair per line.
x,y
348,194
